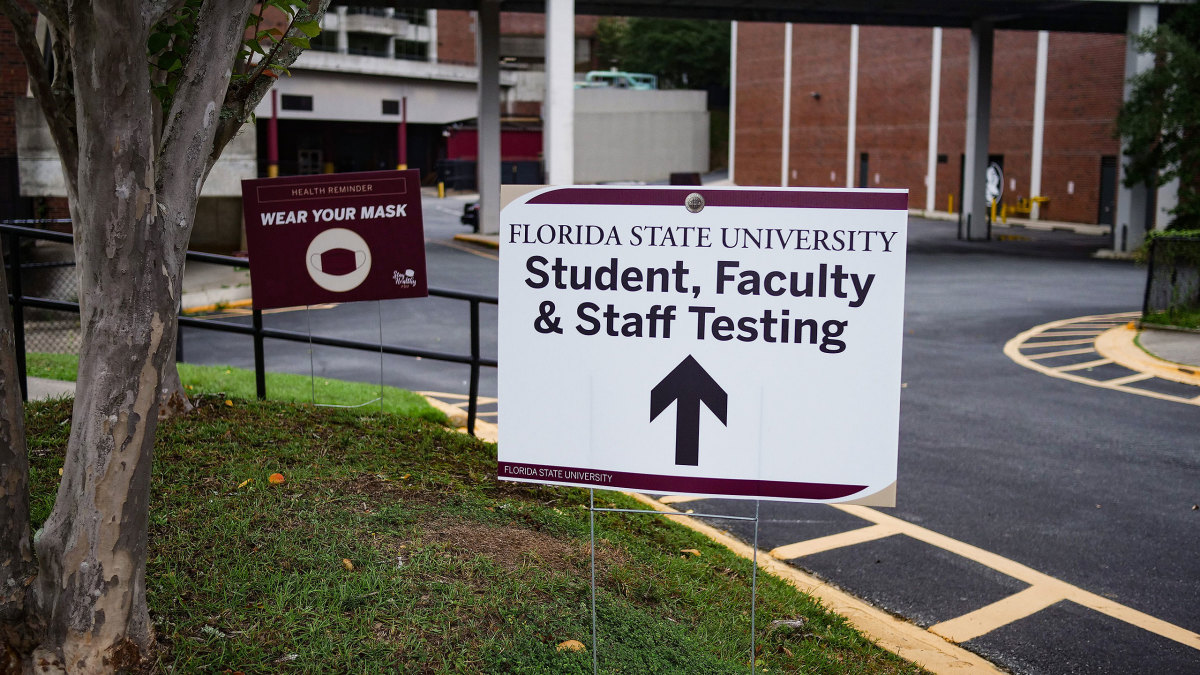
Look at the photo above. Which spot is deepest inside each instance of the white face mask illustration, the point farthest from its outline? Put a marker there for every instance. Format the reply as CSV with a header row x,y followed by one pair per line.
x,y
338,260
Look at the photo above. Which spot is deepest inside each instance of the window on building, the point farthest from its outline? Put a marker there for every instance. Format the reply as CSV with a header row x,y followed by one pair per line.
x,y
410,50
417,17
295,102
367,44
391,107
309,162
325,41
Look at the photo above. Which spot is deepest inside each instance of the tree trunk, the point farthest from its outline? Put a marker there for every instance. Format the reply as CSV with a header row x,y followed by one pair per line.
x,y
16,550
91,553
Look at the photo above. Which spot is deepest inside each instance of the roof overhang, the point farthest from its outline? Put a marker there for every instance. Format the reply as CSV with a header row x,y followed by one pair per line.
x,y
1092,16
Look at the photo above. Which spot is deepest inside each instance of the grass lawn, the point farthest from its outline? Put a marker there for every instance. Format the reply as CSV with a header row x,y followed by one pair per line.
x,y
1180,318
391,548
239,383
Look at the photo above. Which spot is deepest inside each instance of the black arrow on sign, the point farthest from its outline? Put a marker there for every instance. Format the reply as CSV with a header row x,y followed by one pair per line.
x,y
690,385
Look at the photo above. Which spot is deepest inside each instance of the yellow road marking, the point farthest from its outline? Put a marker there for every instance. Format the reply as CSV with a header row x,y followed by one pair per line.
x,y
1000,613
679,499
820,544
482,400
1115,344
1058,343
1066,352
896,635
1070,333
1128,379
1086,364
464,249
1030,576
1118,344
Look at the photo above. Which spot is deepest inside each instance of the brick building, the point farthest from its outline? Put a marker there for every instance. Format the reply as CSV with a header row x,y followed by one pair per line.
x,y
888,142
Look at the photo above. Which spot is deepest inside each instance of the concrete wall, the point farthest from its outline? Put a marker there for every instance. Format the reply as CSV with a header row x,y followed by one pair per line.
x,y
41,171
218,215
352,88
625,135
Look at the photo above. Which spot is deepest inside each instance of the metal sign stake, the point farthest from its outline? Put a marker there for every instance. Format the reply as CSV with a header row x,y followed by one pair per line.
x,y
592,511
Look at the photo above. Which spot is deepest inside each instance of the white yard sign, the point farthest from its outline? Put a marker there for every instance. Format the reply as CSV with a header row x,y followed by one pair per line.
x,y
739,342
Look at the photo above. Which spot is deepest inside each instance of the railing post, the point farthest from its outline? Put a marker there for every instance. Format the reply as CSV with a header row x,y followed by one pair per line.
x,y
18,311
473,401
260,368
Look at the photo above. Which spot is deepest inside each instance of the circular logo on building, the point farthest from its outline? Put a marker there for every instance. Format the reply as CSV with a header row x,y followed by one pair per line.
x,y
338,260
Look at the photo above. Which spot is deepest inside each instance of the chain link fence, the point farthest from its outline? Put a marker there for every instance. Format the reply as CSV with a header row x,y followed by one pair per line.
x,y
1173,282
48,271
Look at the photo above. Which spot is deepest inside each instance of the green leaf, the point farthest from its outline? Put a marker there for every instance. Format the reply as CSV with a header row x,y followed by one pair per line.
x,y
169,62
310,28
253,20
158,42
301,42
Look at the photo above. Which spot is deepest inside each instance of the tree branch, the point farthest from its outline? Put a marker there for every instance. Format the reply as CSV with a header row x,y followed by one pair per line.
x,y
57,108
241,101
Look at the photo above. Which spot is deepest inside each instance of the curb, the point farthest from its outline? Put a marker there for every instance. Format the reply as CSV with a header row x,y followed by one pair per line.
x,y
233,304
1118,344
900,637
487,240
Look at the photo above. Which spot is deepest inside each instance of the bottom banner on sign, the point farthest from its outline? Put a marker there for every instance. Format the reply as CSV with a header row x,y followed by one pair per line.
x,y
697,485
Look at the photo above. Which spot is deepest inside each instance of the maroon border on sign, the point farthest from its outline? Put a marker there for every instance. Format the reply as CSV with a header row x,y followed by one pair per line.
x,y
787,199
647,482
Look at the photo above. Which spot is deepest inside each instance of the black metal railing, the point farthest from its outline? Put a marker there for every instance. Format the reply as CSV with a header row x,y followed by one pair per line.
x,y
14,232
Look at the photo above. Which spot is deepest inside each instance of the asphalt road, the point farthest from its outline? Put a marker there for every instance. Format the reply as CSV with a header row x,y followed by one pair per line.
x,y
1093,487
1090,486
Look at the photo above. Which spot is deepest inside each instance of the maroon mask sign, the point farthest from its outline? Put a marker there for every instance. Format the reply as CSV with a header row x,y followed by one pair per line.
x,y
335,238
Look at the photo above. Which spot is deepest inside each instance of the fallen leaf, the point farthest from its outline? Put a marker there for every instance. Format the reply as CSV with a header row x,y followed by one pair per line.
x,y
229,403
245,483
788,651
1195,507
60,473
347,564
691,551
571,646
276,479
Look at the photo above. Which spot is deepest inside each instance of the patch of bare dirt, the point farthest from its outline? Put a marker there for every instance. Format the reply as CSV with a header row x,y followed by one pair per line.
x,y
509,547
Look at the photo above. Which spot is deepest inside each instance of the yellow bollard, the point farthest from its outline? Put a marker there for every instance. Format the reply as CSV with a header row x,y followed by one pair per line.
x,y
272,171
441,190
993,211
401,167
950,205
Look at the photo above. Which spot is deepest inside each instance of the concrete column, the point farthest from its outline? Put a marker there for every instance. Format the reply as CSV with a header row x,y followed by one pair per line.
x,y
852,115
1039,120
786,139
390,12
1133,203
979,105
431,50
733,42
343,38
559,109
935,94
487,169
